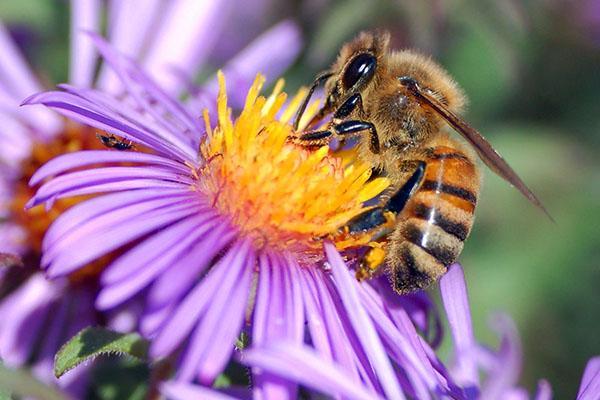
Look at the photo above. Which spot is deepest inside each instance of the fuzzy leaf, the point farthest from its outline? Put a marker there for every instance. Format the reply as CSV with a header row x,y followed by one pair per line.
x,y
94,341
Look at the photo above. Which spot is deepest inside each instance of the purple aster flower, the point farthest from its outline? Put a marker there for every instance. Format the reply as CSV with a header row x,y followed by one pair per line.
x,y
499,370
170,39
221,222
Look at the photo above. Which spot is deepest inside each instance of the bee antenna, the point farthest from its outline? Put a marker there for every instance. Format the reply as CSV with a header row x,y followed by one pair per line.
x,y
322,77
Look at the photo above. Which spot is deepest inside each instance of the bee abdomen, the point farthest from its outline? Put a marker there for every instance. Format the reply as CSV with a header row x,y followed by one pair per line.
x,y
435,222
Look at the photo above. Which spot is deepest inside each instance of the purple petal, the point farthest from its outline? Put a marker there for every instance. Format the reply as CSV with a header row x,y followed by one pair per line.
x,y
100,223
135,260
27,308
87,113
115,237
197,301
278,315
83,213
456,302
52,340
85,16
152,320
64,184
422,311
189,31
365,330
589,389
544,390
86,158
319,333
212,343
20,82
152,264
270,54
329,334
505,372
404,344
301,364
181,276
149,95
185,391
129,29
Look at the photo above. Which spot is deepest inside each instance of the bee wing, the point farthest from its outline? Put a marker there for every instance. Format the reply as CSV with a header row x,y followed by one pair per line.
x,y
484,149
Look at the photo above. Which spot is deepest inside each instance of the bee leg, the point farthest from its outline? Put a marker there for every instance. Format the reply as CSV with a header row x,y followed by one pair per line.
x,y
399,198
380,217
312,138
371,262
349,105
356,126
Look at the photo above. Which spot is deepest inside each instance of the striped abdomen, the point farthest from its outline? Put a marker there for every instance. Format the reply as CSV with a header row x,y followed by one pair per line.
x,y
436,220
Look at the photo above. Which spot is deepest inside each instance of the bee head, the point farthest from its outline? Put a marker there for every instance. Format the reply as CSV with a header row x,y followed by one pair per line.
x,y
356,66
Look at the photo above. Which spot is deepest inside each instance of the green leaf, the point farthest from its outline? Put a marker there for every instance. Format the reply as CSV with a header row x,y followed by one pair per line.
x,y
20,383
94,341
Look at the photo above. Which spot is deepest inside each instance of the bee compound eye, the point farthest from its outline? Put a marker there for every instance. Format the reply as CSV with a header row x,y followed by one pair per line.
x,y
363,66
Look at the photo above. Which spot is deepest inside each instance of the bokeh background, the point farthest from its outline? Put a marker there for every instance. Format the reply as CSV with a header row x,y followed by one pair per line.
x,y
532,72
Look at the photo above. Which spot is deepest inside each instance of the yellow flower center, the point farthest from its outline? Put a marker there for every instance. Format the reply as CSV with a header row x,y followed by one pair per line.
x,y
281,195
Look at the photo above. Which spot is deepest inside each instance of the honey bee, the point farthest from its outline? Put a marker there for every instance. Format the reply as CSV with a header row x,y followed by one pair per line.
x,y
398,104
112,142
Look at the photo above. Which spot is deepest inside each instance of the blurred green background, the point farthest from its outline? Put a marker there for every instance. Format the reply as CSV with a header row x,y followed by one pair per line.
x,y
532,72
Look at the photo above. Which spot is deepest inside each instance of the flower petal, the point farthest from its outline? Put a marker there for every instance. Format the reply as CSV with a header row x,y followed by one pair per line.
x,y
197,301
271,53
504,374
456,302
129,29
153,248
158,257
365,330
544,390
177,280
175,390
85,16
213,340
278,315
189,31
86,158
115,237
27,307
19,81
590,382
301,364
